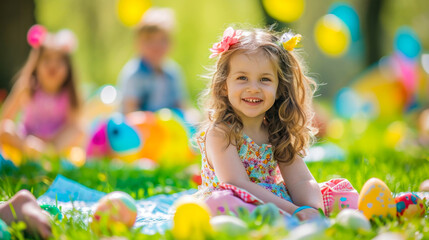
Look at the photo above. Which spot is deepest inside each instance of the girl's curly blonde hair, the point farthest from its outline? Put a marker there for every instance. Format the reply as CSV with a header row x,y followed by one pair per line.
x,y
289,120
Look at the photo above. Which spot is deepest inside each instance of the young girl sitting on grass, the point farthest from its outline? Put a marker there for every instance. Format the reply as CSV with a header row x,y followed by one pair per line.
x,y
259,125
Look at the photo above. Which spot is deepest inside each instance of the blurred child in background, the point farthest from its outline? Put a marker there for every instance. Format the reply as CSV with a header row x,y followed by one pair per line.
x,y
46,95
151,81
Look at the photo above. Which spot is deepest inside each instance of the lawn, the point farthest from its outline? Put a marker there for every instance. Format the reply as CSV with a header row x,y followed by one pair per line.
x,y
402,169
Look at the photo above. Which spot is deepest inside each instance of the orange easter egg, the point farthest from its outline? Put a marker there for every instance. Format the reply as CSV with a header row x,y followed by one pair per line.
x,y
151,131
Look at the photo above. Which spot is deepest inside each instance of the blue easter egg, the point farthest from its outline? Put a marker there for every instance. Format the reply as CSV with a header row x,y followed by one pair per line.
x,y
122,137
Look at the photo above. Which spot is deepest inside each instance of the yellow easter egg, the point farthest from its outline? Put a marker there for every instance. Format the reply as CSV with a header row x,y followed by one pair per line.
x,y
191,219
376,200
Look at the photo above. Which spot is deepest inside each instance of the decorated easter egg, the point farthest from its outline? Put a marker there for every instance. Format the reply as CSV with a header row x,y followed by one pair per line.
x,y
115,207
176,148
148,127
4,233
99,145
409,205
122,137
191,219
53,211
350,218
230,225
376,200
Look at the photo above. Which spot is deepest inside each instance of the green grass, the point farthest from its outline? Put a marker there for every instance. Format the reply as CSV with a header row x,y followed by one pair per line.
x,y
401,169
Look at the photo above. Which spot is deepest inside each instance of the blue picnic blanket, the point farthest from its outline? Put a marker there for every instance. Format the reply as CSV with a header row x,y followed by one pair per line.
x,y
154,214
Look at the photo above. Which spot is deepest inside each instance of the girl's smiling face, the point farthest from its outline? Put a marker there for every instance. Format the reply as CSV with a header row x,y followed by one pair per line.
x,y
251,84
52,70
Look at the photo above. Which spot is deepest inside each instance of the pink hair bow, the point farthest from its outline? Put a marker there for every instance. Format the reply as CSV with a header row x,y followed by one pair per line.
x,y
63,40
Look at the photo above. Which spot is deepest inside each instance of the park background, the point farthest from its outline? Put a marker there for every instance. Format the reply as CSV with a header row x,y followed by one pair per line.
x,y
105,44
382,146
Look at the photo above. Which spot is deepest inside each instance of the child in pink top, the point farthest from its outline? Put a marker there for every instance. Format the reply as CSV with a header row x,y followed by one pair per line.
x,y
45,93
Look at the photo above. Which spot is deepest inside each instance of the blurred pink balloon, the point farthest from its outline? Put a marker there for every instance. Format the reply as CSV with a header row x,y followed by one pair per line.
x,y
35,36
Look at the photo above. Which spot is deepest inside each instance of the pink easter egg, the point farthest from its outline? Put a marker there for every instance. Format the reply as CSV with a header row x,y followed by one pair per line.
x,y
35,36
98,145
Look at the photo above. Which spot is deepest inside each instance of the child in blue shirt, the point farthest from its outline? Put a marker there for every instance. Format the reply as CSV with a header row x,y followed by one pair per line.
x,y
150,81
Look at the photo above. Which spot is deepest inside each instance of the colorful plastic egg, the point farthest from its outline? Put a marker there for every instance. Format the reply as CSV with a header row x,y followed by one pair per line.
x,y
410,205
53,211
353,219
99,145
176,145
116,207
376,200
191,219
148,127
122,137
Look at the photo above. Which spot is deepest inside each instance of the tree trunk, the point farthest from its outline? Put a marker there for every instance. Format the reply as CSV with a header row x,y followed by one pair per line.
x,y
373,31
16,17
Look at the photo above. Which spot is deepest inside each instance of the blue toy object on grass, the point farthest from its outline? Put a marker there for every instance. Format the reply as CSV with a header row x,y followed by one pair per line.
x,y
122,137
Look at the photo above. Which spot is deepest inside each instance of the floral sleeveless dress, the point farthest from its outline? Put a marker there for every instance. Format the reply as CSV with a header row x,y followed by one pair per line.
x,y
263,170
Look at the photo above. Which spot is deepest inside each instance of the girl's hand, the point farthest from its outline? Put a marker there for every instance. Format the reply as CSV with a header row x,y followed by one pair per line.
x,y
307,214
29,67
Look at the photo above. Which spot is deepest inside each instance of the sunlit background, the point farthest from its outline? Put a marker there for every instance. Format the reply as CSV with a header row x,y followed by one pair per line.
x,y
366,34
369,57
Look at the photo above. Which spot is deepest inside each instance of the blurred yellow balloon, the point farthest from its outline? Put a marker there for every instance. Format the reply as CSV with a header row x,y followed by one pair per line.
x,y
131,11
388,96
284,10
395,133
191,219
332,35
